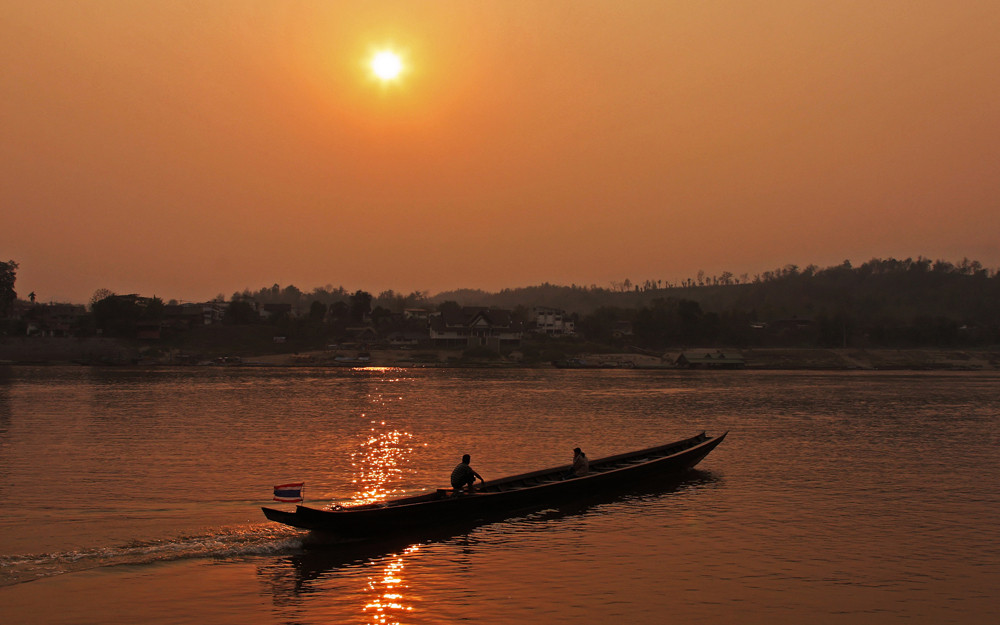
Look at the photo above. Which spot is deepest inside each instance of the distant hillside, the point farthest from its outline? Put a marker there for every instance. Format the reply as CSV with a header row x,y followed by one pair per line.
x,y
909,288
883,303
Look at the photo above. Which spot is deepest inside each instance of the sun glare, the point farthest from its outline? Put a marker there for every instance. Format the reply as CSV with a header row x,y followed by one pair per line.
x,y
387,65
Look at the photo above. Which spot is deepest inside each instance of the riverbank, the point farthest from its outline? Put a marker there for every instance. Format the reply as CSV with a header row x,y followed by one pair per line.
x,y
98,351
874,359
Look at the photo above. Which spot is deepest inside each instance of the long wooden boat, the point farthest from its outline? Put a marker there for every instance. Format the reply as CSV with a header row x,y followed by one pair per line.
x,y
500,497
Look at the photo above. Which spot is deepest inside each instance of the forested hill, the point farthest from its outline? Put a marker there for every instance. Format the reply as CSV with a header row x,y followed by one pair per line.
x,y
881,290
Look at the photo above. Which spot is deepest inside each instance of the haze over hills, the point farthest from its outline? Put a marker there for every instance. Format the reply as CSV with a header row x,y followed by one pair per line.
x,y
964,290
883,303
909,301
891,286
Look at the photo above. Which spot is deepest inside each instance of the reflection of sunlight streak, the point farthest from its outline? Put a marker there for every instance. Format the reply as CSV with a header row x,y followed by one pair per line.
x,y
387,589
379,463
380,460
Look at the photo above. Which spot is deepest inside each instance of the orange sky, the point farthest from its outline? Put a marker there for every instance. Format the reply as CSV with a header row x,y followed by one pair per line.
x,y
185,149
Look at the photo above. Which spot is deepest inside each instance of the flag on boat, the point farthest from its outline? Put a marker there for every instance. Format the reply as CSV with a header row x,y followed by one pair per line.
x,y
289,493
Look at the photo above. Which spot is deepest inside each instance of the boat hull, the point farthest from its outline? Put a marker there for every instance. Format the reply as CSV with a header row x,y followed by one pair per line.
x,y
503,497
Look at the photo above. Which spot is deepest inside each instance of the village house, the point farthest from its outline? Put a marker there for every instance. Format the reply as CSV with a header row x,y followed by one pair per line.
x,y
622,330
474,326
362,336
552,322
59,320
416,313
275,311
189,315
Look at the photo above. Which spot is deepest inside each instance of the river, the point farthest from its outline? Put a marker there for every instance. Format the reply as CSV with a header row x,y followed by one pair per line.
x,y
133,496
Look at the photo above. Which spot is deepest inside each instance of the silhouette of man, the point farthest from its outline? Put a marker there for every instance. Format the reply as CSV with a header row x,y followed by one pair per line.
x,y
463,475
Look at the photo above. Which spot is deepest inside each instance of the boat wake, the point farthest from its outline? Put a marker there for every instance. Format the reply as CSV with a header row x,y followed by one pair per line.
x,y
262,539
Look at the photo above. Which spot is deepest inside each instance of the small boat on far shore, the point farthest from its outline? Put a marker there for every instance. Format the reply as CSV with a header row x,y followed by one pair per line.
x,y
501,497
581,363
361,359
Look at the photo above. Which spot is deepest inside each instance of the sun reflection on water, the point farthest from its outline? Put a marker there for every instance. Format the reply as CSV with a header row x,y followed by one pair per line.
x,y
387,588
379,462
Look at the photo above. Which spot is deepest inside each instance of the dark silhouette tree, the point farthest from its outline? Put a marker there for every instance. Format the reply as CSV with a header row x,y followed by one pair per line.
x,y
239,312
360,306
8,275
99,295
340,311
117,315
317,311
449,307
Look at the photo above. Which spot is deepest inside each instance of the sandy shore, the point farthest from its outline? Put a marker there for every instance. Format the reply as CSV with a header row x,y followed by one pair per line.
x,y
108,351
874,359
771,359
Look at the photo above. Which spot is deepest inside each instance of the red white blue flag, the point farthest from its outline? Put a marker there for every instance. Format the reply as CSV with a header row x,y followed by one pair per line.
x,y
289,493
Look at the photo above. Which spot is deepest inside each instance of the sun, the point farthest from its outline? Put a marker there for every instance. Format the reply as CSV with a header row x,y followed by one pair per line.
x,y
387,65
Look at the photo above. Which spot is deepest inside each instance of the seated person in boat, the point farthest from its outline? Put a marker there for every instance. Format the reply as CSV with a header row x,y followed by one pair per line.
x,y
463,475
581,466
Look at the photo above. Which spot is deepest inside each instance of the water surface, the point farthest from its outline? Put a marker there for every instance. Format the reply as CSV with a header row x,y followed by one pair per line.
x,y
134,495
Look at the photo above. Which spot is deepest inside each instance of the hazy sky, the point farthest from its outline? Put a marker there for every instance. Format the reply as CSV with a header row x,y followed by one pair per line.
x,y
185,149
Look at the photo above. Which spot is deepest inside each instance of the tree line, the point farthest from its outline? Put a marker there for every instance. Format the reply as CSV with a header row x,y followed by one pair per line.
x,y
883,302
